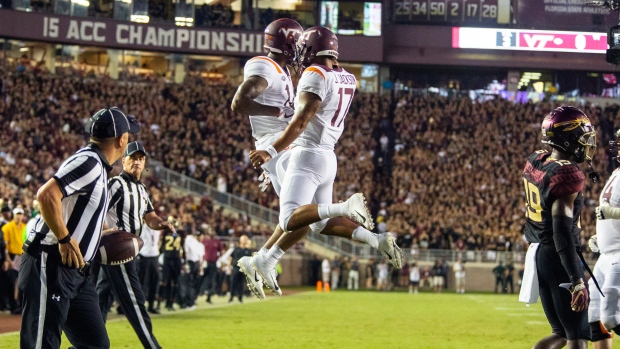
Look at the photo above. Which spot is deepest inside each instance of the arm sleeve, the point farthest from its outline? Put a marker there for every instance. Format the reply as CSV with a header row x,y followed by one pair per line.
x,y
566,247
313,80
78,175
261,68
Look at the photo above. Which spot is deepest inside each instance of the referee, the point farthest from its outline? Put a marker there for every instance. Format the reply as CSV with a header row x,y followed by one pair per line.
x,y
54,272
129,209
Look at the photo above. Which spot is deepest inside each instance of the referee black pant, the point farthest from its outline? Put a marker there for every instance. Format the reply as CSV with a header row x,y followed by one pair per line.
x,y
55,299
148,268
124,282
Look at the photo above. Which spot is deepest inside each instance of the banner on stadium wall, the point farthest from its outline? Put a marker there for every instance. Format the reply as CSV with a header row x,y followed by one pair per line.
x,y
529,40
87,31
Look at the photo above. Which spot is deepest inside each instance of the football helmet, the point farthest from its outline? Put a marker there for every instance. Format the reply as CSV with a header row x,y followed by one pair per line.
x,y
569,130
281,37
315,42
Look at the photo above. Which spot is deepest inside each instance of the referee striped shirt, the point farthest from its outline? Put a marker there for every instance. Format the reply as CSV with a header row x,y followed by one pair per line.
x,y
82,179
129,202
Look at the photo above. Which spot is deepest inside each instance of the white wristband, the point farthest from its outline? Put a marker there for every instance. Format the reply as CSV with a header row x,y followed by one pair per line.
x,y
272,151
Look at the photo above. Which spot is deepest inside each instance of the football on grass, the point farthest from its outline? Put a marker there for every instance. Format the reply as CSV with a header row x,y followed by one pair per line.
x,y
118,247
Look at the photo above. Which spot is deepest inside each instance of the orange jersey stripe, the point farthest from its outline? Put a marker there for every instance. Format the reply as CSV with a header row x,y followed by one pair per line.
x,y
270,61
316,70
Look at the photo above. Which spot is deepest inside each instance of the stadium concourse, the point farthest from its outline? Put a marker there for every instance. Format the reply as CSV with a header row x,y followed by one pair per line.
x,y
438,171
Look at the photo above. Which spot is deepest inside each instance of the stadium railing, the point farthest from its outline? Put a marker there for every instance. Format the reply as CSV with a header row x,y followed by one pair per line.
x,y
341,246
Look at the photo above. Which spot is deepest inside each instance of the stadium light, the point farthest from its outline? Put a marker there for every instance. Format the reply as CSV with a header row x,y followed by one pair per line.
x,y
140,18
84,3
184,21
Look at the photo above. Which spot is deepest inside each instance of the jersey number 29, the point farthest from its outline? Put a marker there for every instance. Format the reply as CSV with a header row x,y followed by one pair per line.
x,y
533,210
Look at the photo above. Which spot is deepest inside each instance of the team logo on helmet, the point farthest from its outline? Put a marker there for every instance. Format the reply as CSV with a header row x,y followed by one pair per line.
x,y
569,130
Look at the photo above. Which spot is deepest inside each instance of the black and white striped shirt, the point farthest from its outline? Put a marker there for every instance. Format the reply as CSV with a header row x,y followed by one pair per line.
x,y
82,179
129,202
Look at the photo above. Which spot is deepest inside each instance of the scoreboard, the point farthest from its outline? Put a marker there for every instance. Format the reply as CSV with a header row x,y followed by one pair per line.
x,y
491,12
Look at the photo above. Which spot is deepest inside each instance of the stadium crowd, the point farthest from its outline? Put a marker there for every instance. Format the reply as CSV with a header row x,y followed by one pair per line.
x,y
452,183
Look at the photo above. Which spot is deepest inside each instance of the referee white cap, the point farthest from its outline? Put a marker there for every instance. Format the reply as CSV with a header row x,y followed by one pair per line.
x,y
111,122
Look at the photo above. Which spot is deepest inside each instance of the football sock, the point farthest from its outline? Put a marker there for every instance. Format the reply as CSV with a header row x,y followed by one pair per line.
x,y
362,234
263,250
273,255
333,210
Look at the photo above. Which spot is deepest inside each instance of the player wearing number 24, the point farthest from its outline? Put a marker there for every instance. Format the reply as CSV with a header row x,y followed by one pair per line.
x,y
553,183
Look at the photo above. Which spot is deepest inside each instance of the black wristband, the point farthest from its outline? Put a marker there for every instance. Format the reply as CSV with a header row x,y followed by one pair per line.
x,y
65,240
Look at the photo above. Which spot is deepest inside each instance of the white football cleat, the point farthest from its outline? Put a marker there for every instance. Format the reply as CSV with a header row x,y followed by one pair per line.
x,y
268,274
359,212
255,281
389,249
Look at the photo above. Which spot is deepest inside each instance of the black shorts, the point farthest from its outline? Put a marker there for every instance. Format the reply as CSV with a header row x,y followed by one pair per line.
x,y
555,300
414,283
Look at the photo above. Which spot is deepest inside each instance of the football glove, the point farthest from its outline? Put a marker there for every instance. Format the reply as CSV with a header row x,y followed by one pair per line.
x,y
579,295
606,211
286,113
264,182
593,244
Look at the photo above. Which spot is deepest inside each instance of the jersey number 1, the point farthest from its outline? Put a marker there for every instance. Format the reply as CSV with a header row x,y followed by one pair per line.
x,y
341,113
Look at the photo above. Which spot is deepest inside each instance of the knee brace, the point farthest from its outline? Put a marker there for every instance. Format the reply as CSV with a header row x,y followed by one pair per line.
x,y
609,305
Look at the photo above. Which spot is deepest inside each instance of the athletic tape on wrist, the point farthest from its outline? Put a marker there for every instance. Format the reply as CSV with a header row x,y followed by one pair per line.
x,y
272,151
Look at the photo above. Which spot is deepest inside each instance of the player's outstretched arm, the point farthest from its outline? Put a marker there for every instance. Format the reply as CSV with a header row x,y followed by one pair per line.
x,y
244,102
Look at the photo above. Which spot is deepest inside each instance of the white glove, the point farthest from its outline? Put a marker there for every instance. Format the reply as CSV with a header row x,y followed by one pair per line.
x,y
593,243
264,182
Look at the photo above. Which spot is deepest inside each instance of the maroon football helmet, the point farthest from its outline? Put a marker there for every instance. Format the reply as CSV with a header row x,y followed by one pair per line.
x,y
281,37
569,130
315,42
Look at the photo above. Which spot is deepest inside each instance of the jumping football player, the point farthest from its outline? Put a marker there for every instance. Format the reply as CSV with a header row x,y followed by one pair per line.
x,y
324,94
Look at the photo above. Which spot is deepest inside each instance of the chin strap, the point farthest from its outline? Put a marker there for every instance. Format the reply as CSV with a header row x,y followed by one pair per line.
x,y
593,175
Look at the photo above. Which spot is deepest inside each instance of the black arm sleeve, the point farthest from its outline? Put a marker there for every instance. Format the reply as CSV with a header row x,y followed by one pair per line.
x,y
566,247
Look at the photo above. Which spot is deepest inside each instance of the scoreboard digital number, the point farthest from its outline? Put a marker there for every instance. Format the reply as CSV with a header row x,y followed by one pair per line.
x,y
449,11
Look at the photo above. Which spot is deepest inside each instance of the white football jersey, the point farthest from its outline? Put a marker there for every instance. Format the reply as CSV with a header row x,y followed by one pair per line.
x,y
336,88
279,93
608,230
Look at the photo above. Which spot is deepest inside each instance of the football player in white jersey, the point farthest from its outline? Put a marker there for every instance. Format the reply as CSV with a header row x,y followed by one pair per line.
x,y
604,312
324,94
267,96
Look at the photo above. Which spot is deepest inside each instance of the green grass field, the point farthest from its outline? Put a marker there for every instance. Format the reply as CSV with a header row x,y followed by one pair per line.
x,y
344,319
